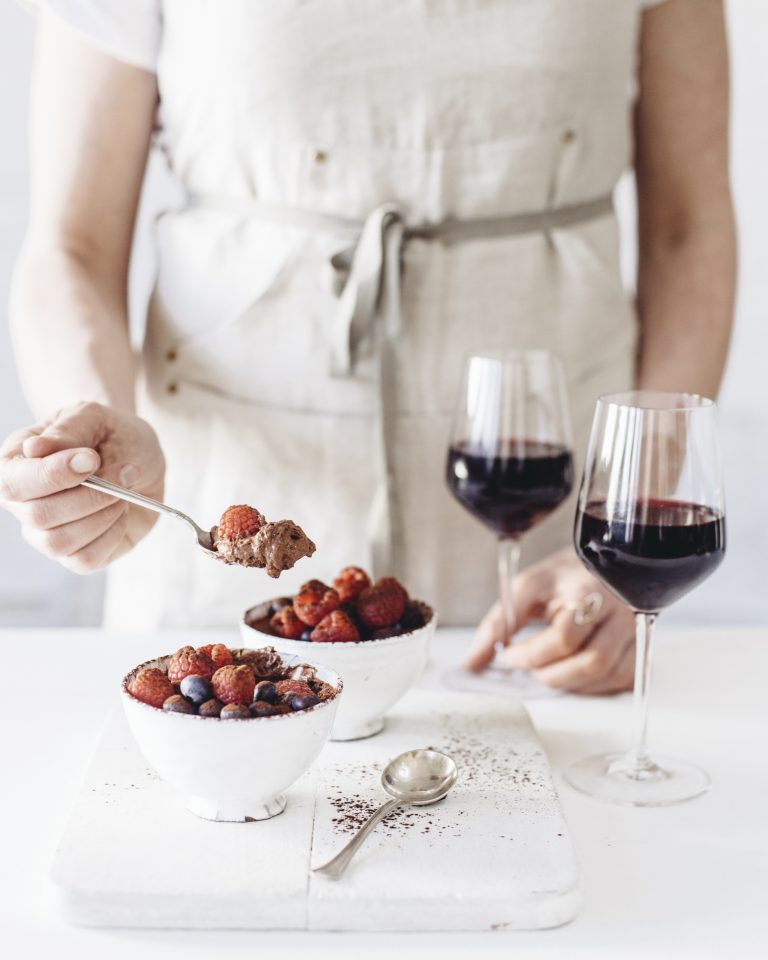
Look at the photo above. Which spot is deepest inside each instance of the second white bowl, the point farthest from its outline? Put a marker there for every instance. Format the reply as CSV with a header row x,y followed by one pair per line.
x,y
376,673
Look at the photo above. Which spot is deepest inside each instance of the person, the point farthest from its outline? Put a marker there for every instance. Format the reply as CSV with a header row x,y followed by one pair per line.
x,y
369,192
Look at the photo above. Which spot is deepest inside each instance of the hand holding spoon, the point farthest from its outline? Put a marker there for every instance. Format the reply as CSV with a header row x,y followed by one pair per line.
x,y
418,777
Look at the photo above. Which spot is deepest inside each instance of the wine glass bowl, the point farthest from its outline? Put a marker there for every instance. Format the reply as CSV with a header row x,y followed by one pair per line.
x,y
510,462
650,525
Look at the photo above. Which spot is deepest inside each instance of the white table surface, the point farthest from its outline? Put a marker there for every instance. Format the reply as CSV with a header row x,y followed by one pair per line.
x,y
685,881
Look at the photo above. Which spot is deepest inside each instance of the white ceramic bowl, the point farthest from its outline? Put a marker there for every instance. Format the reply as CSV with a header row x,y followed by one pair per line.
x,y
376,673
232,770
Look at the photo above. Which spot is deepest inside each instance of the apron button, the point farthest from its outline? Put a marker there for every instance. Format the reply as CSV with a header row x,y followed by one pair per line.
x,y
569,135
319,156
171,356
172,388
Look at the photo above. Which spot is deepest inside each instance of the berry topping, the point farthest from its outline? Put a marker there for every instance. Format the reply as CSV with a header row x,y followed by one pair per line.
x,y
286,624
279,604
219,654
265,691
151,686
301,701
383,604
178,704
235,711
314,601
188,661
196,689
211,708
260,708
336,628
350,583
234,684
240,521
412,617
285,687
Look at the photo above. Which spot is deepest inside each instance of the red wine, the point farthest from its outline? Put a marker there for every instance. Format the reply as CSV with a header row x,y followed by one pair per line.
x,y
513,486
650,552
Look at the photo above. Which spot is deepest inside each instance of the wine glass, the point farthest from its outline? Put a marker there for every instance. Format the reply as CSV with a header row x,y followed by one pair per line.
x,y
650,525
510,465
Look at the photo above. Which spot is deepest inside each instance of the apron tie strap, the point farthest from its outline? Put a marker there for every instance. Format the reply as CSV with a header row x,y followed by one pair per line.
x,y
372,270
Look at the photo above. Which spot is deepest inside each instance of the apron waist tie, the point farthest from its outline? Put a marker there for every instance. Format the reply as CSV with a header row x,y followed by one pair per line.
x,y
368,275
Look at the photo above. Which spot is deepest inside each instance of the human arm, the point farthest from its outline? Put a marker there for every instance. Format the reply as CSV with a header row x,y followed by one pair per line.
x,y
90,124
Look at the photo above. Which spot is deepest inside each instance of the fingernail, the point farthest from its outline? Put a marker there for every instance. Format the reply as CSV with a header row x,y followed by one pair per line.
x,y
129,475
85,462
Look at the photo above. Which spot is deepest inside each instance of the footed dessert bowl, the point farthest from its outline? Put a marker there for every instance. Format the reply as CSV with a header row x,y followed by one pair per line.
x,y
234,766
376,672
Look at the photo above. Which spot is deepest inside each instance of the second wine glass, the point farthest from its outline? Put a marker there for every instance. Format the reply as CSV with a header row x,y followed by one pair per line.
x,y
510,465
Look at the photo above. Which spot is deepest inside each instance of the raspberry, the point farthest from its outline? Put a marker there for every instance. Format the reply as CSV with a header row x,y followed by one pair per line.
x,y
314,601
219,654
335,628
350,583
286,687
151,686
383,604
240,521
286,624
188,661
233,684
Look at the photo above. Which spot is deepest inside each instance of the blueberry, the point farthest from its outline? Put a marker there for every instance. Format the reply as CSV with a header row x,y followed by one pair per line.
x,y
279,604
177,704
196,689
211,708
263,709
301,701
412,617
306,634
235,711
265,691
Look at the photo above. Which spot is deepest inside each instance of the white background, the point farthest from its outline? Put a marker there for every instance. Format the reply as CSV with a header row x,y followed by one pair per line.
x,y
36,591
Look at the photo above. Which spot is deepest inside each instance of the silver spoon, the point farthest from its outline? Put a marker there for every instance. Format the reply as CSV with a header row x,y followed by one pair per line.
x,y
419,777
204,538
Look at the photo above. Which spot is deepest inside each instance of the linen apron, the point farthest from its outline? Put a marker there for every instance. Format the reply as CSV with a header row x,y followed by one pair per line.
x,y
317,293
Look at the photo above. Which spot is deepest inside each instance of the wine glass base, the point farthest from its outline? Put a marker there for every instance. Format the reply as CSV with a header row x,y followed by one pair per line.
x,y
659,783
499,681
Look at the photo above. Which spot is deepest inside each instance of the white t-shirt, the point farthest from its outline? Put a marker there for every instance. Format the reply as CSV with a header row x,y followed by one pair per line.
x,y
130,30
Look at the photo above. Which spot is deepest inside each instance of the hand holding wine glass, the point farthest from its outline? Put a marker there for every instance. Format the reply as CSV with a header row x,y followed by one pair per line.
x,y
510,464
650,525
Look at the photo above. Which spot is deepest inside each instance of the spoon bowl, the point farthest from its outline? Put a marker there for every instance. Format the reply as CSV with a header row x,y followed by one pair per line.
x,y
419,777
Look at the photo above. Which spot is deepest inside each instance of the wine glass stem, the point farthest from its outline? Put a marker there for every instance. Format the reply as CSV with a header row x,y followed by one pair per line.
x,y
509,561
637,758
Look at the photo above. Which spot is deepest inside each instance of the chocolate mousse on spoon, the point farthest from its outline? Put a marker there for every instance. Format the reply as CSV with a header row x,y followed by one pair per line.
x,y
243,535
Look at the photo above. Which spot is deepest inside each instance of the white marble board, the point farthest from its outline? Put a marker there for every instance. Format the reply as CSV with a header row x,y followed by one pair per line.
x,y
495,854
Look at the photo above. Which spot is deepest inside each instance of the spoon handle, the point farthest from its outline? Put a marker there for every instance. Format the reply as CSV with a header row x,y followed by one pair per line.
x,y
335,867
106,486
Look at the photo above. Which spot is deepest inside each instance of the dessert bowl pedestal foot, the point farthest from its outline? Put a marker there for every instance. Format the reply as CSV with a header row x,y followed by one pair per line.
x,y
357,731
262,809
